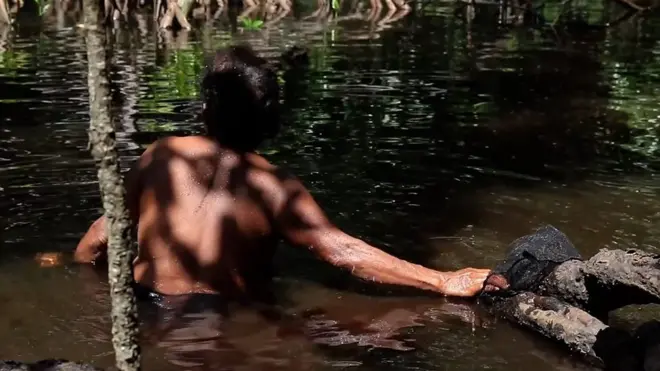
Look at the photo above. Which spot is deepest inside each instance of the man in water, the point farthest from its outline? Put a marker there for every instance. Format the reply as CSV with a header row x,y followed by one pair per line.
x,y
210,211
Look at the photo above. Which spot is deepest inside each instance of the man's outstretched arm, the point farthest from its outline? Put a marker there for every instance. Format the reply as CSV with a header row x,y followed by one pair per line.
x,y
303,223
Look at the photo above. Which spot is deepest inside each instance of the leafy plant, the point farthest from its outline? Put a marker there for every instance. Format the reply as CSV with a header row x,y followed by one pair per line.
x,y
42,6
13,61
251,24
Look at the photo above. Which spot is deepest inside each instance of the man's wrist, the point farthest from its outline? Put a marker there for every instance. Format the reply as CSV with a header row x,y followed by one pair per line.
x,y
440,283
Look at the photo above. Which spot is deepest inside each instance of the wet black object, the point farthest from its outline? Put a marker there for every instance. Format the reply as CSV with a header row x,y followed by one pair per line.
x,y
532,257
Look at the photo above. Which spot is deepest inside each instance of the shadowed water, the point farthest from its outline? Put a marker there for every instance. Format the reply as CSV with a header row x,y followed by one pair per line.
x,y
440,139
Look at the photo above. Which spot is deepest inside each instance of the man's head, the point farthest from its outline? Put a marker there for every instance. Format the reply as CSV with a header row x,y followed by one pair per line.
x,y
241,99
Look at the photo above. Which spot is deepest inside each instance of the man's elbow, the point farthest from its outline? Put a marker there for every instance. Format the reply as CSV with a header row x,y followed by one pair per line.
x,y
82,257
343,253
87,254
93,243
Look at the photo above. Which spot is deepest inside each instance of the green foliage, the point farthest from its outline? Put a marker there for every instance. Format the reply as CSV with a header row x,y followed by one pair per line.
x,y
157,126
251,24
485,108
42,6
12,61
177,79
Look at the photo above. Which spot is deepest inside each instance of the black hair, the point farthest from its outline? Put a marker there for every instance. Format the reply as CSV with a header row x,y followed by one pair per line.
x,y
241,98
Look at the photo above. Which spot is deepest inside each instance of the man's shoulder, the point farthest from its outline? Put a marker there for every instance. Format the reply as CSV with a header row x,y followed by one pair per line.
x,y
259,162
184,141
180,143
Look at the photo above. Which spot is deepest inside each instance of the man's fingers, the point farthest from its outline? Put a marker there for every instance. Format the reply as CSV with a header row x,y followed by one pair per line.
x,y
480,276
491,288
49,259
498,281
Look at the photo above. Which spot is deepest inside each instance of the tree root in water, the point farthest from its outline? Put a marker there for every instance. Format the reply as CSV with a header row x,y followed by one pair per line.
x,y
4,12
174,12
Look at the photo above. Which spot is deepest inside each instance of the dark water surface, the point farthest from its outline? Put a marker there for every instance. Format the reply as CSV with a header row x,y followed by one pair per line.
x,y
437,139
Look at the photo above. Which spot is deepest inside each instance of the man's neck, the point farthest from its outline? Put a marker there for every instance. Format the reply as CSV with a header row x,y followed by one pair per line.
x,y
230,146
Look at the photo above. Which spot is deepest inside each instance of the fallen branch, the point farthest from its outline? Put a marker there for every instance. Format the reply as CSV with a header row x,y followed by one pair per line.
x,y
554,319
599,344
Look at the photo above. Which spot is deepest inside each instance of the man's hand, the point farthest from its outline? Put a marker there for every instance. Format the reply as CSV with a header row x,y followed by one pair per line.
x,y
466,282
49,259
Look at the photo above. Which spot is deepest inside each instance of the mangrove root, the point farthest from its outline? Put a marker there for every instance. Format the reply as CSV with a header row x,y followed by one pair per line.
x,y
174,11
4,12
121,245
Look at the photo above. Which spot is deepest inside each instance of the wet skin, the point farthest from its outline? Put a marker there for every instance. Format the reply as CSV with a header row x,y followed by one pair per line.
x,y
209,220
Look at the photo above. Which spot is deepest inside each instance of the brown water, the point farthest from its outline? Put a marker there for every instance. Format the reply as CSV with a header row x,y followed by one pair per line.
x,y
437,139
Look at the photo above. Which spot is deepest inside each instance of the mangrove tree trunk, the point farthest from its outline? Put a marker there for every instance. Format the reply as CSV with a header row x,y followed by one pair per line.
x,y
121,246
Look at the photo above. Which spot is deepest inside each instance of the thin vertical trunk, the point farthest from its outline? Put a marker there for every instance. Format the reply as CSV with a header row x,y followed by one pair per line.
x,y
121,247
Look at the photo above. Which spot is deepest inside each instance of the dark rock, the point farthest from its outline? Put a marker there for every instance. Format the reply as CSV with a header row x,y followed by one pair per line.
x,y
13,366
631,317
567,282
623,277
647,337
532,257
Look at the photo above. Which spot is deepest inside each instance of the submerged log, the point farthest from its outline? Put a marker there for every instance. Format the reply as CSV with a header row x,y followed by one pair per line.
x,y
600,345
554,319
568,299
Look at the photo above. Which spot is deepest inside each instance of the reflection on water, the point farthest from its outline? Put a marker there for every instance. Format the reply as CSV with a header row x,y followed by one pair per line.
x,y
441,135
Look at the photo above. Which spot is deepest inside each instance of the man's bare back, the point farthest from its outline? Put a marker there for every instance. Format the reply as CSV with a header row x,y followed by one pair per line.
x,y
210,211
201,229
